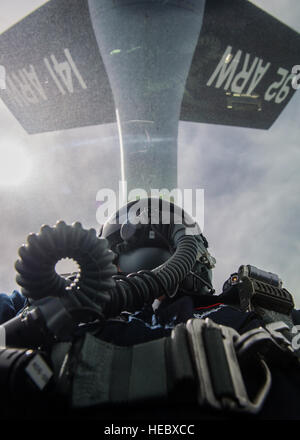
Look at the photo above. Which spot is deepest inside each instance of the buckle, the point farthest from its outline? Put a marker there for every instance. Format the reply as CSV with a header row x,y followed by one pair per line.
x,y
220,381
269,342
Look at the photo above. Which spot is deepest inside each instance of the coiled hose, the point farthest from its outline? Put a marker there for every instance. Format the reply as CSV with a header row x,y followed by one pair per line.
x,y
96,286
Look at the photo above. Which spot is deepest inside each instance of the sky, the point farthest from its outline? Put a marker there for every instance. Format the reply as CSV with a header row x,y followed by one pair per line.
x,y
251,179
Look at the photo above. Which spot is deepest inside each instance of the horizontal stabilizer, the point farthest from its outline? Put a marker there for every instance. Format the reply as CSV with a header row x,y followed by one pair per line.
x,y
241,72
55,78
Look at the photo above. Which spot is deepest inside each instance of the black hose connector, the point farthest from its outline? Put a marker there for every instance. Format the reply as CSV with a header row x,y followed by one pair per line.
x,y
36,266
135,290
97,287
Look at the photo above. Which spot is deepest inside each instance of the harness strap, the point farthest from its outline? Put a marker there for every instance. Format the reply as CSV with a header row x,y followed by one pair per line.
x,y
106,373
199,363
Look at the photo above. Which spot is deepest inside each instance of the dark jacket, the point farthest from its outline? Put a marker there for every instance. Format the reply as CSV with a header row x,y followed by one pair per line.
x,y
11,305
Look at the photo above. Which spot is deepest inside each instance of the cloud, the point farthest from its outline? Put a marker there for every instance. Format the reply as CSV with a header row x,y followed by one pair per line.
x,y
68,169
252,184
251,180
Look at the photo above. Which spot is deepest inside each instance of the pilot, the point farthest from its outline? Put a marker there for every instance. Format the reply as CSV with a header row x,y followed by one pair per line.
x,y
144,245
143,236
